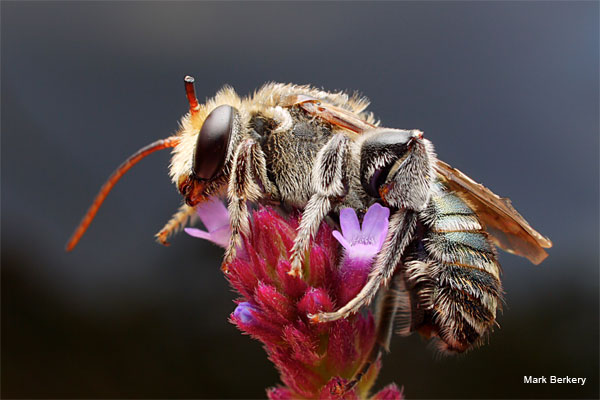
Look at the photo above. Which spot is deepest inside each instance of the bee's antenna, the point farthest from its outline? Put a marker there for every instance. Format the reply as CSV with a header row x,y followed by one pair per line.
x,y
190,92
112,180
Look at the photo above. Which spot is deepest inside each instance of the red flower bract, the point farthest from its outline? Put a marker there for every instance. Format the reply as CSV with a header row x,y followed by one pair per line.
x,y
314,360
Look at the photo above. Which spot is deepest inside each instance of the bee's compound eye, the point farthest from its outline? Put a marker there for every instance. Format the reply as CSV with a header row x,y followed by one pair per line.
x,y
213,142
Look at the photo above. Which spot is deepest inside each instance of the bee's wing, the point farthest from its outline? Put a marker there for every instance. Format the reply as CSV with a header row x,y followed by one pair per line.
x,y
328,112
508,229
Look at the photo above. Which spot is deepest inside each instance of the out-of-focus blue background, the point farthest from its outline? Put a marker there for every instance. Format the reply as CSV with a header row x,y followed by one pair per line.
x,y
507,92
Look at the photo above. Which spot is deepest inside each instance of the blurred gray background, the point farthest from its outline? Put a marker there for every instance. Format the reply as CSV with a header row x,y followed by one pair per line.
x,y
508,93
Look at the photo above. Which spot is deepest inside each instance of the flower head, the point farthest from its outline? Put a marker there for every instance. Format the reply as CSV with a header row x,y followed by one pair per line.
x,y
314,360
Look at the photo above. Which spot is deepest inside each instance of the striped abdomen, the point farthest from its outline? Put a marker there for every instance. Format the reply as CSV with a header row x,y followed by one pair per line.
x,y
453,277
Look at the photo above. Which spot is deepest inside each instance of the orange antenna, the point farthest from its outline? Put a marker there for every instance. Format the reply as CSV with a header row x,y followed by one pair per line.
x,y
190,92
112,180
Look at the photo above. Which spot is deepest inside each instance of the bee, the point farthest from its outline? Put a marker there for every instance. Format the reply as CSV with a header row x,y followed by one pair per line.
x,y
303,148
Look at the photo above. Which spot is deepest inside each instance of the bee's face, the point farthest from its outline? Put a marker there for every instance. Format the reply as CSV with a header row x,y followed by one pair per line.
x,y
210,154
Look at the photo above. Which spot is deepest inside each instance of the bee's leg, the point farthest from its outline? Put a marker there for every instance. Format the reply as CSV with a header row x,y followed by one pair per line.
x,y
316,209
242,188
401,231
175,224
388,303
327,178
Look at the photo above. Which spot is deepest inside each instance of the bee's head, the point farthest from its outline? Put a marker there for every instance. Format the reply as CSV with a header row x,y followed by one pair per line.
x,y
211,152
201,161
202,151
397,166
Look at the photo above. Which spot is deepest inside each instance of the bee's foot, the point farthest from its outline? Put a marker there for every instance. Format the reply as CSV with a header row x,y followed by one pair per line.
x,y
327,316
225,268
295,272
161,237
226,261
296,269
313,318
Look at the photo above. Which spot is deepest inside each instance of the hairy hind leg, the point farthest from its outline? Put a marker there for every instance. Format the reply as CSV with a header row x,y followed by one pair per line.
x,y
400,234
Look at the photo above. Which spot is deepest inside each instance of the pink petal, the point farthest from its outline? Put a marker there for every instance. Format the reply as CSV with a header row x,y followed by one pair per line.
x,y
245,312
221,236
349,223
198,233
363,251
213,214
342,240
375,221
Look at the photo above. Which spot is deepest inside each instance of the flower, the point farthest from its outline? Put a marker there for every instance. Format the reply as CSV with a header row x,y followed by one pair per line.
x,y
314,360
215,217
363,243
361,246
244,313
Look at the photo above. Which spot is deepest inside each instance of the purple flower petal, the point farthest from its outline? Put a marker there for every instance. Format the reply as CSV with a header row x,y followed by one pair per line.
x,y
215,217
347,245
376,222
245,313
199,233
363,243
213,213
349,224
220,237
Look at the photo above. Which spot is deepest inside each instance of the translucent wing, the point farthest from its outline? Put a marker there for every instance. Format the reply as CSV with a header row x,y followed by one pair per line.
x,y
508,229
328,112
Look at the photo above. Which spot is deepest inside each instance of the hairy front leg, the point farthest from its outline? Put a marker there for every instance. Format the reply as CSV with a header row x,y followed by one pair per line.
x,y
175,224
242,188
